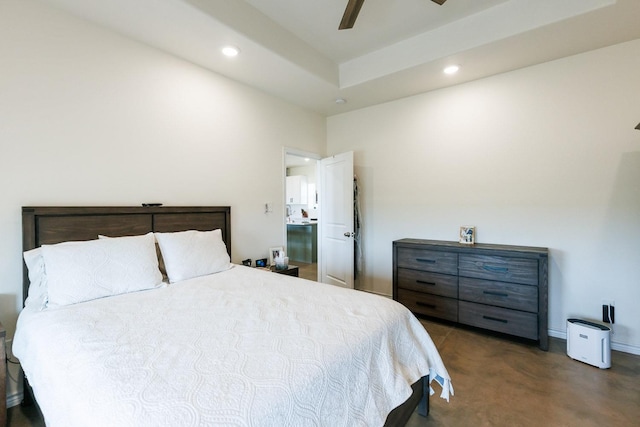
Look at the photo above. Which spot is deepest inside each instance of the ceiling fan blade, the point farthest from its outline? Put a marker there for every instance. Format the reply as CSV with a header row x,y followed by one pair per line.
x,y
350,14
440,2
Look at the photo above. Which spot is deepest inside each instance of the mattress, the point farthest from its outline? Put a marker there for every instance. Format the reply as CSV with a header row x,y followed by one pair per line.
x,y
243,347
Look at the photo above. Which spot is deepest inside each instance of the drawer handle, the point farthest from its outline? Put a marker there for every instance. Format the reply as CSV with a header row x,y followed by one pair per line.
x,y
495,269
422,282
497,294
495,319
428,261
424,304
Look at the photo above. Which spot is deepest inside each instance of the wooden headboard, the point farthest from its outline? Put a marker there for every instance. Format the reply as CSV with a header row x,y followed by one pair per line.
x,y
50,225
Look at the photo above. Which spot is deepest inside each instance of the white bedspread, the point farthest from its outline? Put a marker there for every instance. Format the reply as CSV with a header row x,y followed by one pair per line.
x,y
239,348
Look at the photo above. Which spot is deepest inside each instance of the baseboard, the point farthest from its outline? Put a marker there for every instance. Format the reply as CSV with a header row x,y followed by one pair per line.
x,y
614,345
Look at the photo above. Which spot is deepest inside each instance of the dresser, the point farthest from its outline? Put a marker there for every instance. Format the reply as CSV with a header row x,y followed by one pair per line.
x,y
500,288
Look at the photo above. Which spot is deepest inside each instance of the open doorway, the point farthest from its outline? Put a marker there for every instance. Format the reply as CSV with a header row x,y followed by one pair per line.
x,y
301,211
327,212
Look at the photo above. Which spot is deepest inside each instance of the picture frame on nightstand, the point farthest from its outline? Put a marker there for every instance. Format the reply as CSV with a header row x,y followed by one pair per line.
x,y
467,235
274,253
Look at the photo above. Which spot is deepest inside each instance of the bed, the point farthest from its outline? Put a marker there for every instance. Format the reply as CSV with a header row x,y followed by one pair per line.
x,y
186,346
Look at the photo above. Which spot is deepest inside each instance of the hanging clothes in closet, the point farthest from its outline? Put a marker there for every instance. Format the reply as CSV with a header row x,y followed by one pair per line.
x,y
357,224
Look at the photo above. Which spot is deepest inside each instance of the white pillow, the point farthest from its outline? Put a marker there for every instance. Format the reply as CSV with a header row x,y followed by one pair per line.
x,y
192,253
82,271
37,293
163,269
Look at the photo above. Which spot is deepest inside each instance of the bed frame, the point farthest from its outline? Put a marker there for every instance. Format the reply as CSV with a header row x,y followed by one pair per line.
x,y
50,225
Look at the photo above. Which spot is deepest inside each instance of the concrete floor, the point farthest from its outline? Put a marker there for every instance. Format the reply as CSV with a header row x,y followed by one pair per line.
x,y
500,382
307,271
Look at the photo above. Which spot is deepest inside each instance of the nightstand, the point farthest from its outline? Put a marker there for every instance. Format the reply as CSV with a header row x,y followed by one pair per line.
x,y
292,270
3,378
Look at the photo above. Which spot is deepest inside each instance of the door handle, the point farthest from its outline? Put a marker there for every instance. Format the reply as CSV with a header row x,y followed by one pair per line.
x,y
349,234
497,294
495,269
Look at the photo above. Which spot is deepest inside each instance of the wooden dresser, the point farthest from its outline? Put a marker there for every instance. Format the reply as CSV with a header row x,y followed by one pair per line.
x,y
496,287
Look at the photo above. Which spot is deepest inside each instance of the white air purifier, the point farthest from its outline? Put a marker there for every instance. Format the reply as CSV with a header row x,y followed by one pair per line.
x,y
589,342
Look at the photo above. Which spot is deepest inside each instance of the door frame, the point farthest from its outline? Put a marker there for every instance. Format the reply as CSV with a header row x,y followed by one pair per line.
x,y
315,157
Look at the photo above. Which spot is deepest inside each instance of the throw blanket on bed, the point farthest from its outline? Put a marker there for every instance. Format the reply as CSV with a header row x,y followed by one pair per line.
x,y
242,347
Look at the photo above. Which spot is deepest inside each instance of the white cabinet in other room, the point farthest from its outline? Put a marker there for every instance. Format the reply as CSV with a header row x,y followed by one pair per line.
x,y
297,190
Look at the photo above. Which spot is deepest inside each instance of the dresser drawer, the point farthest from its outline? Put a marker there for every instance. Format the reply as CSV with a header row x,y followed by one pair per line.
x,y
426,260
431,283
429,305
507,295
498,319
504,269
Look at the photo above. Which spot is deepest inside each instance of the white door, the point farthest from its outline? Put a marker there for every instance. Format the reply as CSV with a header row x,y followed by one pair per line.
x,y
336,220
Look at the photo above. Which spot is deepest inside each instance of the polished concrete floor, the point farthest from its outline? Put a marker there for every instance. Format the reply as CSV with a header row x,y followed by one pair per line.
x,y
499,382
307,271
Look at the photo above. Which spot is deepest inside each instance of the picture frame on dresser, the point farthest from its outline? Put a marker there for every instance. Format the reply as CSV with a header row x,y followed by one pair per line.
x,y
467,235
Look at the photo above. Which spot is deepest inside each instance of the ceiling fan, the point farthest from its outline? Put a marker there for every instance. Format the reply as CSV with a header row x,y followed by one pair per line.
x,y
352,10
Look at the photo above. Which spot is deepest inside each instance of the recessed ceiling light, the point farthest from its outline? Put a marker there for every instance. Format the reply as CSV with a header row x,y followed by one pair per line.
x,y
341,101
451,69
230,51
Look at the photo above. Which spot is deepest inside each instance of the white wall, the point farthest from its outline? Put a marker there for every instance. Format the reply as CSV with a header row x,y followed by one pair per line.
x,y
544,156
91,118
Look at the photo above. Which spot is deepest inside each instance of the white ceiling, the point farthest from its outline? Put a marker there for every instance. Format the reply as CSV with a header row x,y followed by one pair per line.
x,y
381,23
397,48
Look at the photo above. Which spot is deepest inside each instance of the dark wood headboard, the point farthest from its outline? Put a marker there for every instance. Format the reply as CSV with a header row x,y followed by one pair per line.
x,y
50,225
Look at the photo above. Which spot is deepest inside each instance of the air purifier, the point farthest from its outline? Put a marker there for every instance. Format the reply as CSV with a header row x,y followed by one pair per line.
x,y
589,342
